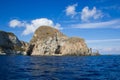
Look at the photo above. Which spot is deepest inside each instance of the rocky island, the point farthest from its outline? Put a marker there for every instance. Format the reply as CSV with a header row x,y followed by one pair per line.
x,y
46,41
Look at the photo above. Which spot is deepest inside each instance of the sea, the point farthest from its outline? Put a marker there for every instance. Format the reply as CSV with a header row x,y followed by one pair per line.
x,y
60,67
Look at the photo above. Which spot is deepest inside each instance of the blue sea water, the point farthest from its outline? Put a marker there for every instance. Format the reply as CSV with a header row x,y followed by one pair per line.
x,y
59,68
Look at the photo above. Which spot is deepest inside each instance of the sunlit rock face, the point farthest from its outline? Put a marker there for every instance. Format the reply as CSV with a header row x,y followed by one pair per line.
x,y
74,46
10,44
45,41
50,41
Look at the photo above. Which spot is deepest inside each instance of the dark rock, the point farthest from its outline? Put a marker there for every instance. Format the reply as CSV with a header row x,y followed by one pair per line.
x,y
11,45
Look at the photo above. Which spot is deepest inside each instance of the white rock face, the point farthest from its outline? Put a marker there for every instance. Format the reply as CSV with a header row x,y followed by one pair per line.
x,y
49,41
74,46
46,40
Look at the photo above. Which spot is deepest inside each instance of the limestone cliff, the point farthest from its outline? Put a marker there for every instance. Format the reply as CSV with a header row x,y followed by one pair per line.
x,y
45,41
49,41
10,44
74,46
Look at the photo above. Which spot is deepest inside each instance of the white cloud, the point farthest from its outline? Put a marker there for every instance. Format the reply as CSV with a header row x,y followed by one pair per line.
x,y
70,10
87,14
104,40
33,25
107,24
105,46
109,49
16,23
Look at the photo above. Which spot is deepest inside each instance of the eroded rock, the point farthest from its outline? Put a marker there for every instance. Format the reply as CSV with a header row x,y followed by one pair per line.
x,y
49,41
11,45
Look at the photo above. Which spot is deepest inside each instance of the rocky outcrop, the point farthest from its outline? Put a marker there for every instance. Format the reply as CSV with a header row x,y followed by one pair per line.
x,y
49,41
74,46
45,41
10,44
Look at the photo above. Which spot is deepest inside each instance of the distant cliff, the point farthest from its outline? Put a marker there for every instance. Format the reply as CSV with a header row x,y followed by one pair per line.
x,y
49,41
11,45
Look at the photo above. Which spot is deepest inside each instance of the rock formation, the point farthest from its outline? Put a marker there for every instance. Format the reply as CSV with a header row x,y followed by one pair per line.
x,y
46,41
10,45
49,41
74,46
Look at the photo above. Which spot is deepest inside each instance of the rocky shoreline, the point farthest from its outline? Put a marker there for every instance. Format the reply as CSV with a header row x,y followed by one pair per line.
x,y
46,41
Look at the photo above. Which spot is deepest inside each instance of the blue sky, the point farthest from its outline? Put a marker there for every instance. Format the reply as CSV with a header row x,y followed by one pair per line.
x,y
97,21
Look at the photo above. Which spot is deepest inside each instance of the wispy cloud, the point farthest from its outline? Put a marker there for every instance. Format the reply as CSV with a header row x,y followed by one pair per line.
x,y
88,14
108,46
15,22
33,25
71,10
104,40
105,46
110,49
107,24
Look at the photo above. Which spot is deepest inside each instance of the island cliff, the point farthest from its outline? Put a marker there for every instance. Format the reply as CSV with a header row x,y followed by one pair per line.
x,y
45,41
49,41
11,45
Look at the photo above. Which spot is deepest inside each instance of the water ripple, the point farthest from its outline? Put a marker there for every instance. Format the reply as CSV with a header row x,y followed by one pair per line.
x,y
59,68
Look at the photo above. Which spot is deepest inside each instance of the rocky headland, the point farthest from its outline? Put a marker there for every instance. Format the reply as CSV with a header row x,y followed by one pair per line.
x,y
50,41
46,41
11,45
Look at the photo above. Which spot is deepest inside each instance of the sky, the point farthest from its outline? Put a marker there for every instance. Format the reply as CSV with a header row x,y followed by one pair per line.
x,y
97,21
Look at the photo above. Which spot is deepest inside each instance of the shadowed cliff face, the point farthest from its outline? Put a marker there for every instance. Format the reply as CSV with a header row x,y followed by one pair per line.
x,y
50,41
8,39
9,44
